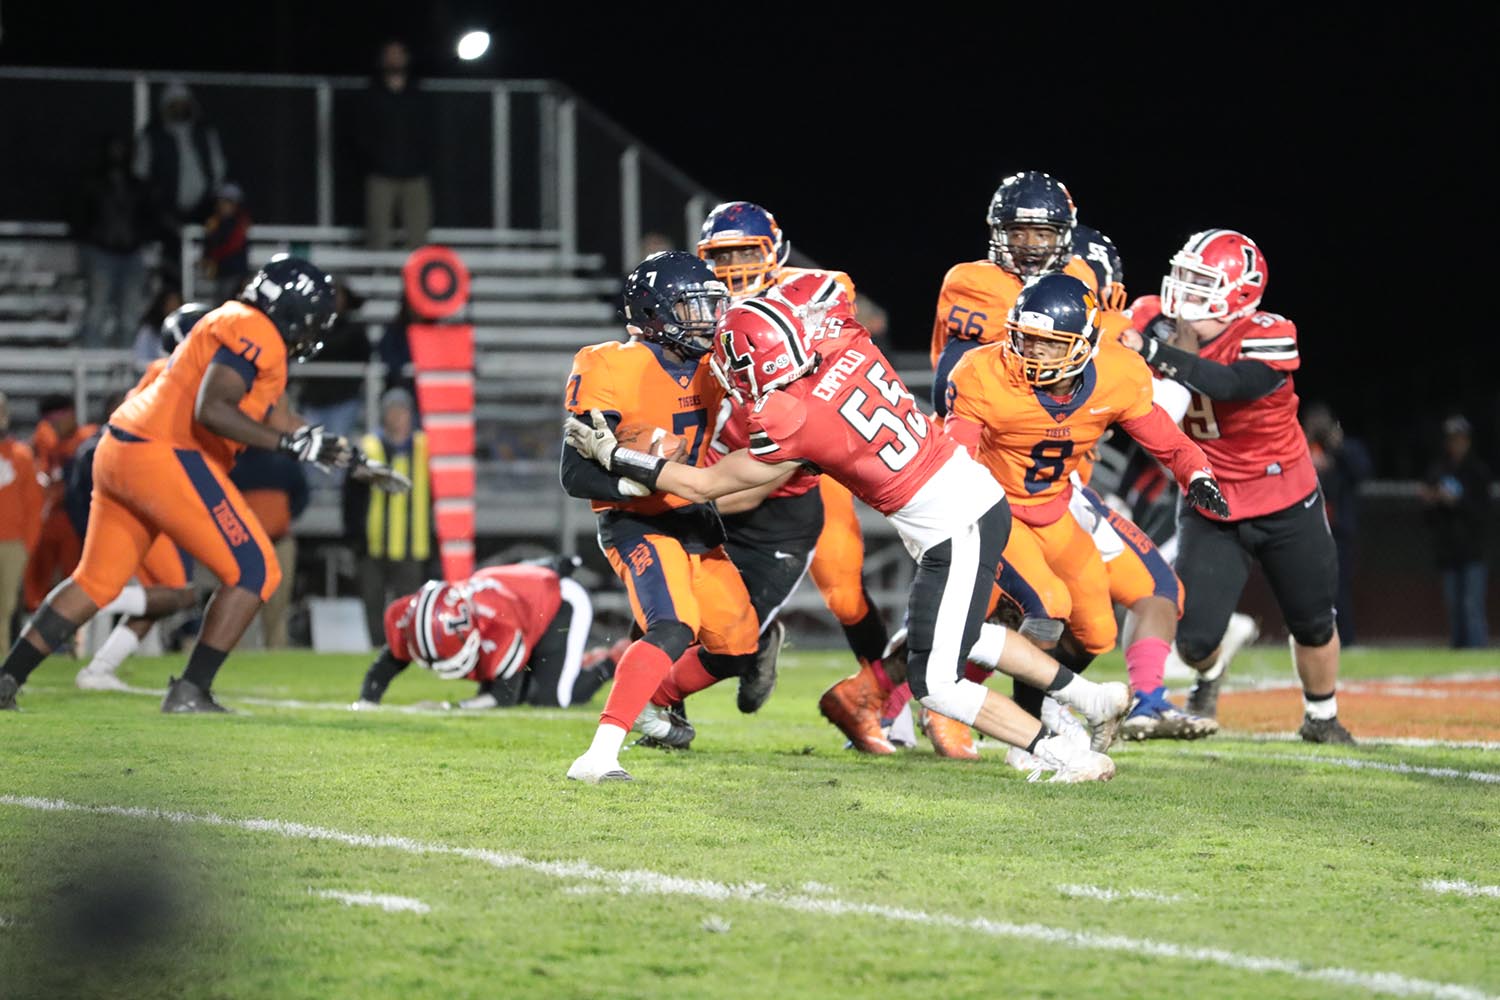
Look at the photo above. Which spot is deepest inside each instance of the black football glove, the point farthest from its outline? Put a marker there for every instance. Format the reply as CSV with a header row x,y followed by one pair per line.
x,y
310,443
1204,494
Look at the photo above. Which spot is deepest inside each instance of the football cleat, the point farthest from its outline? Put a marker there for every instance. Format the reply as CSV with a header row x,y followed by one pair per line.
x,y
1153,717
1324,731
757,684
185,696
592,770
1203,699
950,737
1103,706
99,680
1070,762
663,729
1062,721
1023,760
8,689
853,705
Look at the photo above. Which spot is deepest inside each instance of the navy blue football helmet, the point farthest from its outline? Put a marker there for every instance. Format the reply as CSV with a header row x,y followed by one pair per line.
x,y
1031,198
1098,252
299,298
674,298
1054,329
180,322
743,225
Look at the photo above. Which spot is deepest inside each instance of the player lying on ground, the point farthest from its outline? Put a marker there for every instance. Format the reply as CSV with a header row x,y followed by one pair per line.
x,y
518,631
856,422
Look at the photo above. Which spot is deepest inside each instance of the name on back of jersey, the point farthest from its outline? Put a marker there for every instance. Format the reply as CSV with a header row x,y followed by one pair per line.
x,y
833,380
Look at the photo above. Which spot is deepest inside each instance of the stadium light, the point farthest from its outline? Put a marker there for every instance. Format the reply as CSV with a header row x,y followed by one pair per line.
x,y
473,45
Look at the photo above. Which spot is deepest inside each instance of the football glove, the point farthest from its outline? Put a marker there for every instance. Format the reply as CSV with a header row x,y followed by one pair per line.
x,y
596,442
310,443
1203,493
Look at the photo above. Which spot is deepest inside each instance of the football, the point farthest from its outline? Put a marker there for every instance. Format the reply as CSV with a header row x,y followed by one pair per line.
x,y
653,441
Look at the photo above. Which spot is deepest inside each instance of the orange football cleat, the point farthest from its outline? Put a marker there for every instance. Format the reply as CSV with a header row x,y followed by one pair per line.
x,y
853,704
950,738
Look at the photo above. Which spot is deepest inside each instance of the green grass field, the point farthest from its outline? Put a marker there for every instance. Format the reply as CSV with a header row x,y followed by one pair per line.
x,y
143,855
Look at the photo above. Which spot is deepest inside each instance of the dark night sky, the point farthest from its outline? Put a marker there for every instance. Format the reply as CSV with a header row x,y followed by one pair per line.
x,y
1350,144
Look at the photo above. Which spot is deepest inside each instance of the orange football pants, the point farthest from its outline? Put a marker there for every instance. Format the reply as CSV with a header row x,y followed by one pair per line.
x,y
164,565
839,560
145,489
1060,565
1139,571
702,591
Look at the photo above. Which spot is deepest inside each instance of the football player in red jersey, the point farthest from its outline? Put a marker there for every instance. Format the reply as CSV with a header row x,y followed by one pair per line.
x,y
519,631
749,252
1244,414
827,398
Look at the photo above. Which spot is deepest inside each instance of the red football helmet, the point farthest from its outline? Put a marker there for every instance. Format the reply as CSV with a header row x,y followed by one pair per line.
x,y
1218,274
814,296
759,346
443,632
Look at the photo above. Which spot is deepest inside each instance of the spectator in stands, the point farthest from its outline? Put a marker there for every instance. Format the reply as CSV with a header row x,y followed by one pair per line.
x,y
395,349
1457,493
1342,464
394,141
20,518
180,159
57,436
226,243
338,403
148,333
276,491
112,223
393,539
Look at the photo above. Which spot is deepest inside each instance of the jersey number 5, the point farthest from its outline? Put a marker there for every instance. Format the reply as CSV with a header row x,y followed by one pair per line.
x,y
1199,420
908,432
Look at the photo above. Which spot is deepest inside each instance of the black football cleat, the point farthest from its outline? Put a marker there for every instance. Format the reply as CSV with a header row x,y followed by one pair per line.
x,y
185,696
1203,699
1324,731
759,681
663,729
8,689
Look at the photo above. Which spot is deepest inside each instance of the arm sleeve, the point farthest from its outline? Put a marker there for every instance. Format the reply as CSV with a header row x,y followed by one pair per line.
x,y
952,354
584,479
1243,380
379,676
1159,435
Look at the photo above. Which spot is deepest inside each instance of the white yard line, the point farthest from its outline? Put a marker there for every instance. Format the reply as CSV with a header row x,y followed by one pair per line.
x,y
1112,895
390,904
660,884
1462,888
1484,777
520,711
1382,741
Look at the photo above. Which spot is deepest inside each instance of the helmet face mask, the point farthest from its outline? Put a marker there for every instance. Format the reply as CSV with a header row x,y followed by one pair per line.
x,y
745,246
1054,330
1219,274
674,299
443,634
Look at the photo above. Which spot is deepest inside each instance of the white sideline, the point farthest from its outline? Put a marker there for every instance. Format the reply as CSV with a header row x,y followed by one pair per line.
x,y
1461,887
1379,741
1486,777
657,883
1110,895
390,904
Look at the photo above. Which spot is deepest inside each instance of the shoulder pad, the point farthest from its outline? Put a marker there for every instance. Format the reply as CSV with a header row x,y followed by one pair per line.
x,y
780,414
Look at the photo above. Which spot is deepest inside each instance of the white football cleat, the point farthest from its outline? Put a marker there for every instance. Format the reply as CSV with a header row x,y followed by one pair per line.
x,y
1070,762
99,680
1063,722
1102,705
592,770
1022,761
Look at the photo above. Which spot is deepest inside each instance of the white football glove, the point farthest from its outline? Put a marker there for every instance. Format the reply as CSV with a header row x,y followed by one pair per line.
x,y
595,441
310,443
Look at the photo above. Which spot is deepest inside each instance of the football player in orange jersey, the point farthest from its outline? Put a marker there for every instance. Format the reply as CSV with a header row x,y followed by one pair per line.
x,y
58,436
687,596
749,252
162,468
1031,407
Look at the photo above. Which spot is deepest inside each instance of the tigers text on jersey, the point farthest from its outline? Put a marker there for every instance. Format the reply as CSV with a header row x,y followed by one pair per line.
x,y
638,383
513,605
235,335
978,295
1257,448
1031,441
853,419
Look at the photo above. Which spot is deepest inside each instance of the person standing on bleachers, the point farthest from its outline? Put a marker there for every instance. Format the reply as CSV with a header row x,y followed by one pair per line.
x,y
58,435
338,403
20,517
276,491
393,535
112,224
226,243
394,142
179,157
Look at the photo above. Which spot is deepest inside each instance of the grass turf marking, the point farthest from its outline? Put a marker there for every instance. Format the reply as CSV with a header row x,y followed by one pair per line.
x,y
1462,888
1111,895
1485,777
656,883
390,904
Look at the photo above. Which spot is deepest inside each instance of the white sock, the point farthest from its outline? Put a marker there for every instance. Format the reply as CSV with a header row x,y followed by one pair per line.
x,y
1327,708
991,644
608,739
131,601
115,651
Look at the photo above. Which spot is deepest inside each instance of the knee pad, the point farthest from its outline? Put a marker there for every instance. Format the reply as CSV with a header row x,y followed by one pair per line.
x,y
672,638
959,700
52,627
1043,631
1317,632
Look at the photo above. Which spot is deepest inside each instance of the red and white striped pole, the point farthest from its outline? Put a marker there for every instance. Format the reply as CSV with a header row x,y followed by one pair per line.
x,y
442,352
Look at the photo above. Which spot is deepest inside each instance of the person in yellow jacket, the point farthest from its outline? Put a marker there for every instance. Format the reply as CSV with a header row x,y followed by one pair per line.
x,y
393,534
